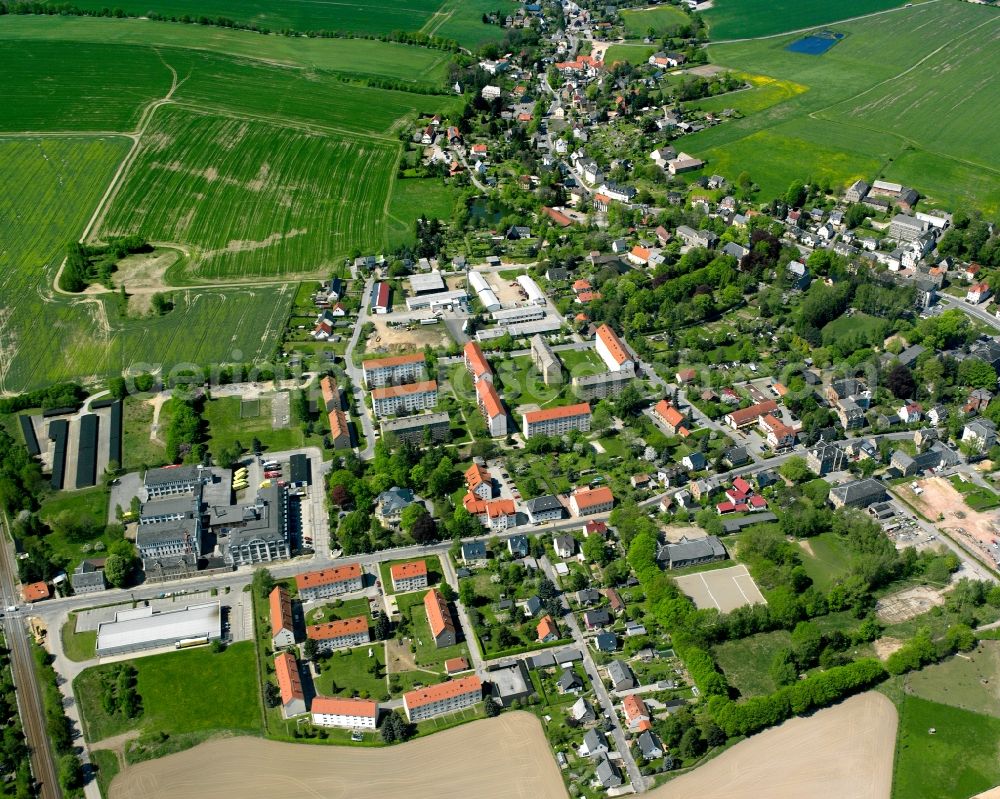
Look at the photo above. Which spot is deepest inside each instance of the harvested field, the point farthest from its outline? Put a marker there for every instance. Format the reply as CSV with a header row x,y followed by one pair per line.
x,y
908,604
723,589
943,504
243,768
844,751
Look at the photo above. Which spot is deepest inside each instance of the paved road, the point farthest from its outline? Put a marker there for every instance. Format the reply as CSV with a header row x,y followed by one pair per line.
x,y
358,377
29,699
977,312
607,705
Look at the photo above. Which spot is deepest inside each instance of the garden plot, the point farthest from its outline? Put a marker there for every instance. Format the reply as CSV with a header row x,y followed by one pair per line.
x,y
722,589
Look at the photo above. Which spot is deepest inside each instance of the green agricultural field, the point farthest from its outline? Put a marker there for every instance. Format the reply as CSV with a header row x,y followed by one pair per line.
x,y
462,21
744,19
629,53
105,90
959,759
837,131
100,37
173,688
212,183
968,682
764,93
661,20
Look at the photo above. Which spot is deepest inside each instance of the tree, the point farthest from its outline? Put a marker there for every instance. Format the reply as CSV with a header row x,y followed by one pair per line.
x,y
409,516
395,728
976,373
70,772
594,550
424,530
807,640
447,592
795,196
310,649
691,745
272,696
262,583
492,708
381,628
117,569
782,669
900,382
441,478
118,387
795,469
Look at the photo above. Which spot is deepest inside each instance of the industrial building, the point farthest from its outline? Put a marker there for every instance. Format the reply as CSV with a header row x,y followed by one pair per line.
x,y
142,628
513,316
487,297
535,295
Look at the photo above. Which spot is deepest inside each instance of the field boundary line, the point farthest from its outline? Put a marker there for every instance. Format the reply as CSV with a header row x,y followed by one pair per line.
x,y
279,121
820,25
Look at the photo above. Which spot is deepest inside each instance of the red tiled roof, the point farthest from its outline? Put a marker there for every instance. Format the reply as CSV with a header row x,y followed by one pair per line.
x,y
588,497
614,344
338,423
493,508
336,574
557,216
581,285
32,592
339,706
487,394
329,387
408,388
587,296
413,568
753,412
546,627
562,412
281,610
444,690
640,252
395,360
286,669
475,476
475,360
634,707
668,413
438,616
453,665
337,628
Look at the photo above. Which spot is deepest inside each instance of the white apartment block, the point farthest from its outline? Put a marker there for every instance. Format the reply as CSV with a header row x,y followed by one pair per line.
x,y
351,714
380,372
390,400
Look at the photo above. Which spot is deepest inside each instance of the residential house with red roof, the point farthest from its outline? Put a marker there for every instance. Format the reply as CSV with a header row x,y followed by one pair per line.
x,y
293,697
547,630
588,501
491,408
282,620
440,620
409,576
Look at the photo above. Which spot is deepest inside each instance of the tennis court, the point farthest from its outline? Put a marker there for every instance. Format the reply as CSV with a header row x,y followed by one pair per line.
x,y
722,589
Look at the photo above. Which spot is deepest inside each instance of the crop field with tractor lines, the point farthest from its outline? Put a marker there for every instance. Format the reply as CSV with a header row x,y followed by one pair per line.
x,y
896,92
252,199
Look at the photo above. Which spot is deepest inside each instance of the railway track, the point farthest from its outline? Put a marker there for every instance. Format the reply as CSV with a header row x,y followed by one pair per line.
x,y
29,698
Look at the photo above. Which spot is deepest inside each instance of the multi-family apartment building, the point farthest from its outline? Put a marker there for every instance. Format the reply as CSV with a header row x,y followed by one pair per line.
x,y
476,363
491,408
556,421
293,697
417,429
588,501
351,714
545,360
439,619
282,621
409,576
410,397
396,369
339,634
613,351
446,697
329,582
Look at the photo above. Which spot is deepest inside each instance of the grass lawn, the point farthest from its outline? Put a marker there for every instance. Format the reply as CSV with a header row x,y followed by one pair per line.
x,y
852,325
660,19
189,694
138,449
976,497
967,682
746,662
433,562
629,53
90,504
107,765
78,646
825,558
427,656
225,427
339,609
958,760
522,384
346,673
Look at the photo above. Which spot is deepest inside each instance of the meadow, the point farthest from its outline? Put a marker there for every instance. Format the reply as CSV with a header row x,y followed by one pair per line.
x,y
661,20
745,19
352,56
837,129
173,688
628,53
763,93
253,199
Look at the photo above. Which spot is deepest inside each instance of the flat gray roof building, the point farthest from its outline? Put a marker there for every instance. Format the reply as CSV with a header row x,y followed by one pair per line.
x,y
142,628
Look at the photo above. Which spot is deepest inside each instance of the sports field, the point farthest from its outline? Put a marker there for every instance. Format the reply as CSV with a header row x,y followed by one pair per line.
x,y
898,86
513,756
745,19
251,199
722,589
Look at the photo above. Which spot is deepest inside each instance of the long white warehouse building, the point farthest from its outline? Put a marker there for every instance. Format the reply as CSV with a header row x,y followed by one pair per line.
x,y
486,295
535,295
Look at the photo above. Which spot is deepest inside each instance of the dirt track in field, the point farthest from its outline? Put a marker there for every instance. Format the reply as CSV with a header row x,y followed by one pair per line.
x,y
503,758
844,752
